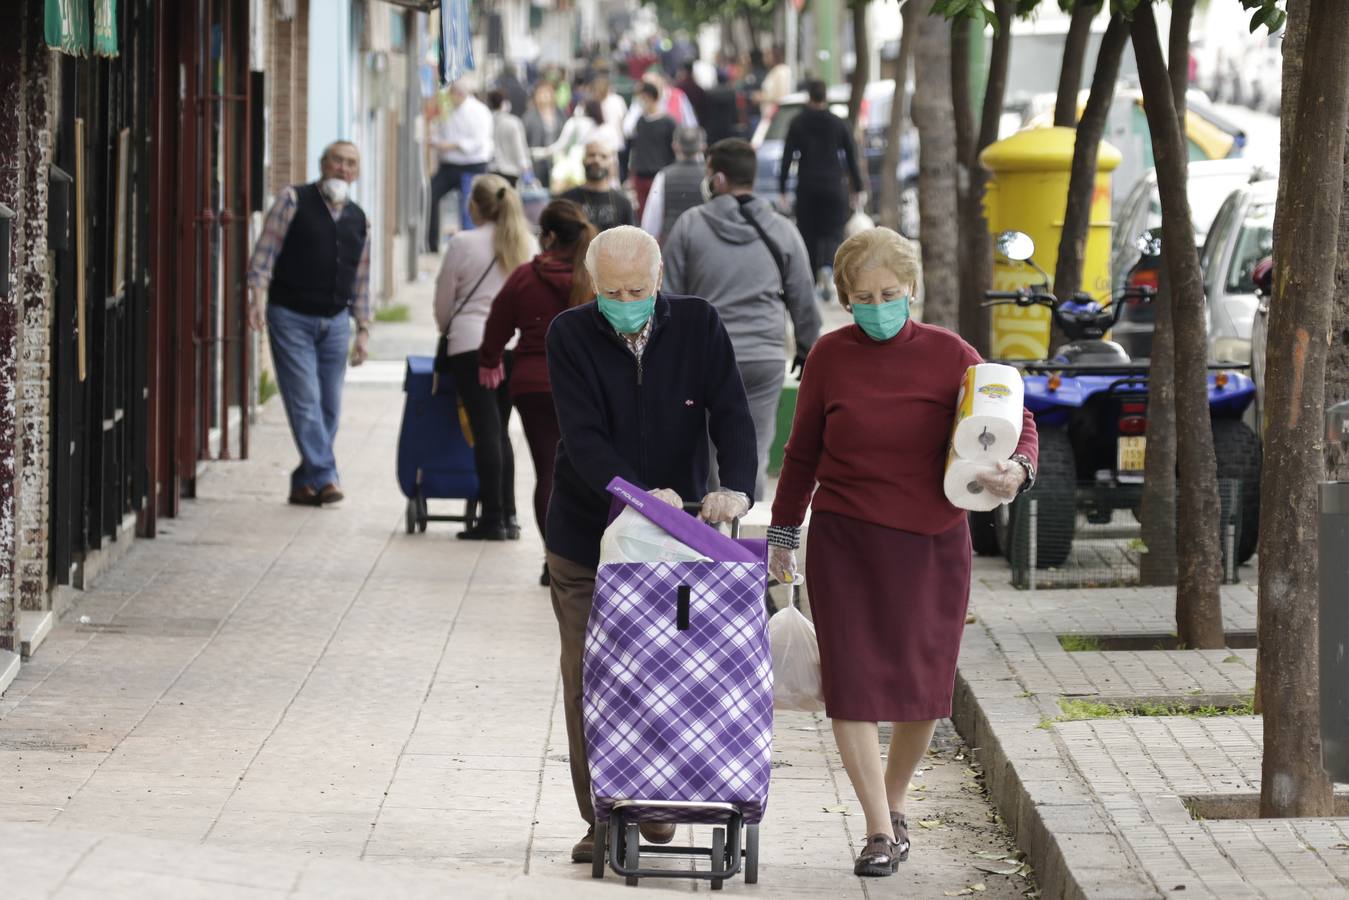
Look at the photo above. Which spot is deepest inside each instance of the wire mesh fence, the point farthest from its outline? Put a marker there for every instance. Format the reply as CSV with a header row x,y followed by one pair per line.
x,y
1080,538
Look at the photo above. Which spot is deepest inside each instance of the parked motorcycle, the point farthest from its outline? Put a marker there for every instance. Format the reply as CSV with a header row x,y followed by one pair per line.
x,y
1090,403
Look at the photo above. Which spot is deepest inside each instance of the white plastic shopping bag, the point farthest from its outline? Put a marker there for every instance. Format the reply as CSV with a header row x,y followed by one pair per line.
x,y
796,662
633,538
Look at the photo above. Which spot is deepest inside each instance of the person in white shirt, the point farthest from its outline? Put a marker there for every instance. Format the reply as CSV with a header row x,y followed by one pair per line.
x,y
464,144
510,156
615,110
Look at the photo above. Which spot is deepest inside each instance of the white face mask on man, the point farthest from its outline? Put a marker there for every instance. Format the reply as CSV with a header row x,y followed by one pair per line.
x,y
335,189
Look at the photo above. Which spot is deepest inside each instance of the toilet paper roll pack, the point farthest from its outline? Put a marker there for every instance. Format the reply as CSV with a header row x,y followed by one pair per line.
x,y
962,485
988,414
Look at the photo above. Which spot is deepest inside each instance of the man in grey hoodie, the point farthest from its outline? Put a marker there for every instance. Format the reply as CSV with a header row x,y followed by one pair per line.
x,y
755,280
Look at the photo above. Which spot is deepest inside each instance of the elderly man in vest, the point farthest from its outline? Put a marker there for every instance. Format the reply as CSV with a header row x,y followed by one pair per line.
x,y
678,187
640,378
312,264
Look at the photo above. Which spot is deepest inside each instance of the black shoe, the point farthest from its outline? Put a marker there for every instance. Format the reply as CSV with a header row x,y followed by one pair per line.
x,y
512,528
304,496
483,531
545,579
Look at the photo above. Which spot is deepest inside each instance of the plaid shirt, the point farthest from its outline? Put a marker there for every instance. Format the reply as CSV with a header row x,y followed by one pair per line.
x,y
637,343
268,248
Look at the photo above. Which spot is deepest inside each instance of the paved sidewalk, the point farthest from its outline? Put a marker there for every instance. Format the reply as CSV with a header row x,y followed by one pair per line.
x,y
1138,806
278,701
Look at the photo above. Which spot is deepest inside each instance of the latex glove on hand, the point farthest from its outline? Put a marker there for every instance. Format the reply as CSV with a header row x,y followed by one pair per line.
x,y
799,364
492,378
723,506
665,495
1005,481
782,564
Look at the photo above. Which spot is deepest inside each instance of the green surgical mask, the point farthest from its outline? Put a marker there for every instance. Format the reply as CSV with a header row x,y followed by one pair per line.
x,y
881,321
627,318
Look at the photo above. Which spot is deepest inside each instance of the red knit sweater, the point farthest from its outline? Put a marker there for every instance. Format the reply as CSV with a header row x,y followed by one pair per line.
x,y
872,427
529,300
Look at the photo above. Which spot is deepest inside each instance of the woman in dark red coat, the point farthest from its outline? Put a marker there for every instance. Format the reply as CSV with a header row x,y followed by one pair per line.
x,y
532,296
888,559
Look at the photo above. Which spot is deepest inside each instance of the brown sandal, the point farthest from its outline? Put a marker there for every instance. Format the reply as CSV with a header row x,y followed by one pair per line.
x,y
900,825
879,858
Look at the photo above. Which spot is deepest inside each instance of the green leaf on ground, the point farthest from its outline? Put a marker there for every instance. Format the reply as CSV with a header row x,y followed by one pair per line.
x,y
841,810
998,870
930,823
1232,659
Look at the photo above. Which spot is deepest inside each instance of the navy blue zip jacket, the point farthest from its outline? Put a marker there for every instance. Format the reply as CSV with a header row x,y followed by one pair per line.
x,y
648,422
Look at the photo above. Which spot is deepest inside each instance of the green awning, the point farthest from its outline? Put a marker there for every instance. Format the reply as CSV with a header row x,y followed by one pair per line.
x,y
81,27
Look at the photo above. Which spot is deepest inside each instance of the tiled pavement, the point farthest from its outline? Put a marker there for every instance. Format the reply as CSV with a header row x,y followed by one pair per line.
x,y
265,695
1101,805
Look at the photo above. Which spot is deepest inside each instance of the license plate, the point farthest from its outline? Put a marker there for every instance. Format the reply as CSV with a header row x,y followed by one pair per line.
x,y
1132,453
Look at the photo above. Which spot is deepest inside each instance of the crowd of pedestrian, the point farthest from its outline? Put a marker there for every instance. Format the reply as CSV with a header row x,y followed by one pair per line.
x,y
658,354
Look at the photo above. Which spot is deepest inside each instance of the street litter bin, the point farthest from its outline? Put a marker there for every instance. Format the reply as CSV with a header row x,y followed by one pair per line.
x,y
1333,553
1028,193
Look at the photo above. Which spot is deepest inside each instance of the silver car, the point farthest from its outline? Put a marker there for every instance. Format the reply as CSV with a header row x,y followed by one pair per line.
x,y
1241,236
1210,183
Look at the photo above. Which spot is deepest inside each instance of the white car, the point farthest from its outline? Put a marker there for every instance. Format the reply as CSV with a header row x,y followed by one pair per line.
x,y
1241,236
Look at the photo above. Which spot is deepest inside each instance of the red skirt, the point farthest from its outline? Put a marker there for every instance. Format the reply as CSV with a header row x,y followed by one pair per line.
x,y
889,610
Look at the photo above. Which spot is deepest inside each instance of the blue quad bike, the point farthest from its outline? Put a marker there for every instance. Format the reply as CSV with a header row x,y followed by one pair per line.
x,y
1090,403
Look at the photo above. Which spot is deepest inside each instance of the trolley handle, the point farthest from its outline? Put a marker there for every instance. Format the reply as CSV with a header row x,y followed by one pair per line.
x,y
694,507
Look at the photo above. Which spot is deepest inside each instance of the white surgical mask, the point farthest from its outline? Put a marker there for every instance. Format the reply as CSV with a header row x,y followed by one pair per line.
x,y
705,188
335,189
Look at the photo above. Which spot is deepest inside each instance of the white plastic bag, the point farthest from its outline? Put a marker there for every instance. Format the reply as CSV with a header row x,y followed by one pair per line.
x,y
796,662
633,538
858,222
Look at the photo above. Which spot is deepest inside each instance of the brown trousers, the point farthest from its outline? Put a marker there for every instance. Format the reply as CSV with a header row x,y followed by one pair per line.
x,y
573,588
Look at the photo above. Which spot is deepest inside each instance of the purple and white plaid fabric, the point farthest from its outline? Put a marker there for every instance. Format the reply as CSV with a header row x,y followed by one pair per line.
x,y
679,714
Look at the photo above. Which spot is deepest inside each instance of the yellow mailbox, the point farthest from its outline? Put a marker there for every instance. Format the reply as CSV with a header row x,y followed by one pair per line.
x,y
1029,192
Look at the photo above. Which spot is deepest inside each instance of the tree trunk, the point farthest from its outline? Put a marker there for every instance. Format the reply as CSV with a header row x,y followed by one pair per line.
x,y
1294,42
934,118
861,70
1305,255
894,132
976,267
1157,506
962,101
1082,180
1198,601
1074,62
1178,55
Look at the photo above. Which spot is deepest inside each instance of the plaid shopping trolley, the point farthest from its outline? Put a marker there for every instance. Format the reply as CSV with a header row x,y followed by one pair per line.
x,y
678,698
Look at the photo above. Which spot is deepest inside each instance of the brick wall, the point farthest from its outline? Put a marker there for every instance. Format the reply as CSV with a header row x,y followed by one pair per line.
x,y
288,116
25,152
32,499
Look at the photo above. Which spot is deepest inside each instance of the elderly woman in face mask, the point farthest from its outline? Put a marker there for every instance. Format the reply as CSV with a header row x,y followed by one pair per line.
x,y
888,561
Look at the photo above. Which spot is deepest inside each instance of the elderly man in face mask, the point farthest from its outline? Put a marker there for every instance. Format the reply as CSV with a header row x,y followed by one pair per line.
x,y
639,380
312,265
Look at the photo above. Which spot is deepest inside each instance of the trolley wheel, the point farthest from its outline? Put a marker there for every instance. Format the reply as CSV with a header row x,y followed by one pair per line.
x,y
632,851
718,857
751,854
422,514
410,517
601,850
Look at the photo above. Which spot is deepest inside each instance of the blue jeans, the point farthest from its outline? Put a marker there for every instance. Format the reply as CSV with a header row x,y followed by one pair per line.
x,y
310,357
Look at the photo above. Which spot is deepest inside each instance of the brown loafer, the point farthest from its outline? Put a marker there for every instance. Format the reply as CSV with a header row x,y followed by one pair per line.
x,y
304,496
584,851
657,832
330,493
